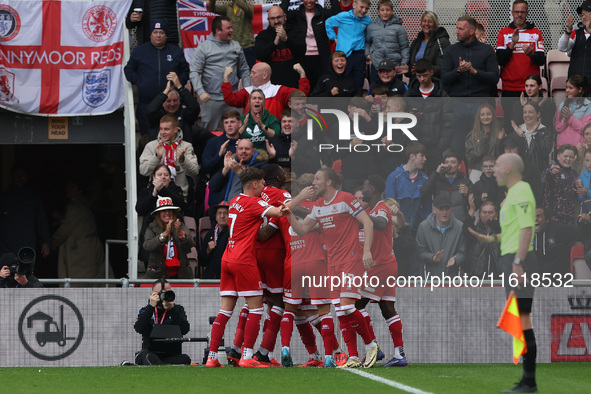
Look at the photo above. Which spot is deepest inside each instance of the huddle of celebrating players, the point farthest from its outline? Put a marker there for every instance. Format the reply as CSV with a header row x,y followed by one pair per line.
x,y
284,247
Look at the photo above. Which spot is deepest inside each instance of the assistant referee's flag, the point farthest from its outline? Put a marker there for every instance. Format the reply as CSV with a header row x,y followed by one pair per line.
x,y
510,322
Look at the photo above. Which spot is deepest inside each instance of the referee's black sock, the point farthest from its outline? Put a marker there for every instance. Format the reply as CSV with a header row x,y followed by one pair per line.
x,y
529,358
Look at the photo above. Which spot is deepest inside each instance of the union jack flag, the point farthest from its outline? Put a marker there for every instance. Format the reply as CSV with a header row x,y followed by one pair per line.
x,y
194,16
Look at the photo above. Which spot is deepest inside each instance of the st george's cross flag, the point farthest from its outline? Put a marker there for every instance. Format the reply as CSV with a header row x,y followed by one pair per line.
x,y
62,57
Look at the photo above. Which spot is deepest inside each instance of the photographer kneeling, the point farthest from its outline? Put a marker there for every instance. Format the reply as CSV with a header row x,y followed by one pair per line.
x,y
16,270
161,310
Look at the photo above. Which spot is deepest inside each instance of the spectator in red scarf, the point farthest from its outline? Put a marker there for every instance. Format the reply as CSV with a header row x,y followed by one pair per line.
x,y
171,150
168,242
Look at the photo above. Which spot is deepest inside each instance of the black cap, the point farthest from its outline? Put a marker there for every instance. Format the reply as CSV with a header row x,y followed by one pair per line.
x,y
586,6
442,200
386,65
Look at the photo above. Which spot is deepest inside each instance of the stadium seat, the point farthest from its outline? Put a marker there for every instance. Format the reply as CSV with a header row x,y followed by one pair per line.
x,y
557,64
204,227
365,86
578,265
558,89
192,226
193,261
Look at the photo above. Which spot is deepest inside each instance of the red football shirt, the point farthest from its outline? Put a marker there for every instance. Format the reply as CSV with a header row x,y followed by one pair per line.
x,y
381,247
339,227
244,219
275,197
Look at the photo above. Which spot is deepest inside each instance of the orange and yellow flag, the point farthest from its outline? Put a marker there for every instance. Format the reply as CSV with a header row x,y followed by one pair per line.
x,y
510,323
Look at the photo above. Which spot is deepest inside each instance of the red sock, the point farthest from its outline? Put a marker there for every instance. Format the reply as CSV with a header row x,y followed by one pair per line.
x,y
272,329
217,330
239,336
328,336
307,334
368,323
252,327
348,335
287,328
395,327
357,322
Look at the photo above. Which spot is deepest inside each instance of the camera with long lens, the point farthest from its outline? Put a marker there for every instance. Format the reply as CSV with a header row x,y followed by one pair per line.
x,y
24,262
166,295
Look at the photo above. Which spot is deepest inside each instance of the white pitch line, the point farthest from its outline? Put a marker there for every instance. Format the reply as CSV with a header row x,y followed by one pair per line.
x,y
391,383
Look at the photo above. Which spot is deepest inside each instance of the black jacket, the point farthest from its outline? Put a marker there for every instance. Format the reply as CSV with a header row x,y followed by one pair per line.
x,y
396,86
436,46
490,187
483,258
438,183
9,282
148,67
145,322
580,58
187,116
435,119
212,263
298,24
154,10
281,57
347,86
483,59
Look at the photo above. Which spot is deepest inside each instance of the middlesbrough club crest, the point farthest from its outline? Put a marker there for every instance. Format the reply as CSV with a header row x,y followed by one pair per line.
x,y
7,86
98,23
10,23
96,87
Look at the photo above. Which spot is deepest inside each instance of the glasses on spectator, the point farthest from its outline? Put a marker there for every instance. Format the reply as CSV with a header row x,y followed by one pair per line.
x,y
276,18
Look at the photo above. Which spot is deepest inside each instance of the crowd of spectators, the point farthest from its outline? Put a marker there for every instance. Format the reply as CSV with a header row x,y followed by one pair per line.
x,y
202,128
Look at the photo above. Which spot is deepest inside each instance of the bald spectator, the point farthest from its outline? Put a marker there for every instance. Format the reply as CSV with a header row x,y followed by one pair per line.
x,y
276,96
280,47
241,14
209,62
149,67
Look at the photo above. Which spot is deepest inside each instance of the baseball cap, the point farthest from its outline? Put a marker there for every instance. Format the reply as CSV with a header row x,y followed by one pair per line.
x,y
442,200
386,65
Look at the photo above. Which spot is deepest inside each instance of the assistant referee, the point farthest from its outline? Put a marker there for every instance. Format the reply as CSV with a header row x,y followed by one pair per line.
x,y
518,218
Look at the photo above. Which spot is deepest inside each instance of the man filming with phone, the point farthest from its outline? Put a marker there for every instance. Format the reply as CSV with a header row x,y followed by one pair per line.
x,y
158,320
448,179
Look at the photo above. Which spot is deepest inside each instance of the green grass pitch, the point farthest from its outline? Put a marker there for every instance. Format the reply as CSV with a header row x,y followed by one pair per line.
x,y
568,378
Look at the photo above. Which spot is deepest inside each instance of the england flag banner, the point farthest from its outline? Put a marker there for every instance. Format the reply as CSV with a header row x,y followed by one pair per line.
x,y
195,21
62,57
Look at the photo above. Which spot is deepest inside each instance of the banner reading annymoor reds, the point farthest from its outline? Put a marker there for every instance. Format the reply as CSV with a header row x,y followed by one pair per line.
x,y
62,57
195,21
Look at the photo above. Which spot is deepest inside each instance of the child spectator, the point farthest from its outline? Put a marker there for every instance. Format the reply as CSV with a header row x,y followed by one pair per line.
x,y
279,146
386,39
336,83
486,188
387,78
435,118
560,188
573,113
351,37
484,140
